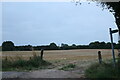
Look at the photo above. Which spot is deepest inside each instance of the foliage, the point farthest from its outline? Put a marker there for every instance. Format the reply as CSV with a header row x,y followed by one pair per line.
x,y
64,46
0,48
23,48
7,46
104,70
100,45
68,67
34,62
53,46
114,8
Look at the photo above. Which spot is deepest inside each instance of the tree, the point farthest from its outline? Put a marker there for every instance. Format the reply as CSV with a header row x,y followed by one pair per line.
x,y
119,42
100,45
8,46
53,46
117,46
64,46
114,7
94,45
108,45
74,46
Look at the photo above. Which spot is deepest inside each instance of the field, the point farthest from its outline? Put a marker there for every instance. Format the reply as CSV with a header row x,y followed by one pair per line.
x,y
79,54
60,57
81,58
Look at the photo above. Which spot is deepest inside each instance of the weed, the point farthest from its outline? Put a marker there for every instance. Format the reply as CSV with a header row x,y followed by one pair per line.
x,y
104,70
34,62
68,67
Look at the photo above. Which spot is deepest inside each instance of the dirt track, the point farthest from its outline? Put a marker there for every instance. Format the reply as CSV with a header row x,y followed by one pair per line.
x,y
47,73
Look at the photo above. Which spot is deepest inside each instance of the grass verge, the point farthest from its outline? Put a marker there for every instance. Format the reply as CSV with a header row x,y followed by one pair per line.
x,y
21,64
104,70
68,67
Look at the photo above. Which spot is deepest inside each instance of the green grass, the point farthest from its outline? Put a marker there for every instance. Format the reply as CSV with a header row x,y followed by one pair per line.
x,y
33,63
104,70
68,67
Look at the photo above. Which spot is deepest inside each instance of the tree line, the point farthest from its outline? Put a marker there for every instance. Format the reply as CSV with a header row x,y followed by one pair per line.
x,y
9,46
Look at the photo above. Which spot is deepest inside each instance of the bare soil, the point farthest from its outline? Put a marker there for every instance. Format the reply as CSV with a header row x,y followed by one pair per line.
x,y
47,73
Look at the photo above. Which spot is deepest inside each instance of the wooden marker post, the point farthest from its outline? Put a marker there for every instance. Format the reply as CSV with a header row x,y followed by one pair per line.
x,y
42,54
99,57
111,37
118,57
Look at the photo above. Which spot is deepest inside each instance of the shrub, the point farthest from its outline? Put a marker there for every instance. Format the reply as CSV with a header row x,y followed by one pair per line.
x,y
104,70
34,62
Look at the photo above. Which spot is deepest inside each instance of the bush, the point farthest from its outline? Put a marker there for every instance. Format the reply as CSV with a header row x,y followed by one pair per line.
x,y
104,70
34,62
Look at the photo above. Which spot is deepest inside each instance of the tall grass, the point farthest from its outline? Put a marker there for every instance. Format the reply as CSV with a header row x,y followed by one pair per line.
x,y
104,70
68,67
20,64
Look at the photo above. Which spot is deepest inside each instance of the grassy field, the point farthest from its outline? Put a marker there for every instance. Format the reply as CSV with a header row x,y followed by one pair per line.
x,y
81,58
79,54
61,55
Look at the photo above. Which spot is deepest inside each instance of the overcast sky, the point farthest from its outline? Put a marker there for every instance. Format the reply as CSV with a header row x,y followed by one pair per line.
x,y
43,23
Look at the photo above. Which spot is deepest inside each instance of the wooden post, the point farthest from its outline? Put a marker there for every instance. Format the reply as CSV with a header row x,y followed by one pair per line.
x,y
118,57
119,53
112,46
41,54
99,57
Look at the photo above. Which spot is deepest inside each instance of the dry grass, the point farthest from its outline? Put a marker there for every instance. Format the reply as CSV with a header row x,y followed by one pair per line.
x,y
80,54
80,57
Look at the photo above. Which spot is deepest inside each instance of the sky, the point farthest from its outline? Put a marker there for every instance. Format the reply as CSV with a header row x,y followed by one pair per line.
x,y
0,22
41,23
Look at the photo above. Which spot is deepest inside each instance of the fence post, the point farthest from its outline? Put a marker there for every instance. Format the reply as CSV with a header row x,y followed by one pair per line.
x,y
113,54
118,57
41,54
99,57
